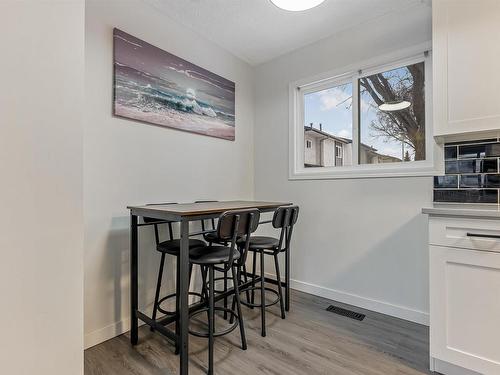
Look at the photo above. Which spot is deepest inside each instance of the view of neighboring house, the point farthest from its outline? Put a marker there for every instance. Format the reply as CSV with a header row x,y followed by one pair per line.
x,y
322,149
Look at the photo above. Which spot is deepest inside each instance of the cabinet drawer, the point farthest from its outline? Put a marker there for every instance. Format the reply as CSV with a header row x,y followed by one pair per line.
x,y
467,233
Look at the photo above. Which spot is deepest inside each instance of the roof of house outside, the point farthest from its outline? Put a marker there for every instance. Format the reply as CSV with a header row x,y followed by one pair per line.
x,y
371,149
326,135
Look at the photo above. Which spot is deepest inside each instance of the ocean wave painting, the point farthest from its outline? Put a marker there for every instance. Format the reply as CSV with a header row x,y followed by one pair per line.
x,y
154,86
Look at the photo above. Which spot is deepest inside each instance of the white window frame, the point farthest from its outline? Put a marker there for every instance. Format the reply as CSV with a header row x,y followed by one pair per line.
x,y
308,143
297,90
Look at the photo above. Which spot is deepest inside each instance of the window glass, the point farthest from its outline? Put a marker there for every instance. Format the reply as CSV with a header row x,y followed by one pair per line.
x,y
328,127
392,116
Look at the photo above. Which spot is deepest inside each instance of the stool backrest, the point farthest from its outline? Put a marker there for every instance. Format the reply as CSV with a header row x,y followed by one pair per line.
x,y
284,218
156,222
238,224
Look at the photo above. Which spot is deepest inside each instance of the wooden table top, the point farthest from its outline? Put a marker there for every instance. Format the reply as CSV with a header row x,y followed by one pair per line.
x,y
204,208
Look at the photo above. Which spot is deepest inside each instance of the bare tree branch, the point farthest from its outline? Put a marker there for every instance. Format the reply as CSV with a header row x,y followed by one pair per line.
x,y
406,126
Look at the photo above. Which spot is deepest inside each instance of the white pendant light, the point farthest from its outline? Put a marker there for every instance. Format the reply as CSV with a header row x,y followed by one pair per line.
x,y
296,5
394,106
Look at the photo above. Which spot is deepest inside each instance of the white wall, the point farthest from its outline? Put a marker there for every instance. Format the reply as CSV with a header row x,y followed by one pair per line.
x,y
362,241
41,240
127,162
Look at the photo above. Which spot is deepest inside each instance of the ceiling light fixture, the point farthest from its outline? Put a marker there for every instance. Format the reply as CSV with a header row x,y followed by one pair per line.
x,y
394,106
296,5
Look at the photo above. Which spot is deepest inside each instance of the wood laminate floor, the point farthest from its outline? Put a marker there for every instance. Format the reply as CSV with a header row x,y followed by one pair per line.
x,y
309,341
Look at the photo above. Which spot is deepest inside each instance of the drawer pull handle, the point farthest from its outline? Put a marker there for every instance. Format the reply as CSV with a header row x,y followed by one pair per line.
x,y
483,235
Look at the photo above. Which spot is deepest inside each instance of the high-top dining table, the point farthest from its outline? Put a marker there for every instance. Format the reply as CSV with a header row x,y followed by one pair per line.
x,y
183,213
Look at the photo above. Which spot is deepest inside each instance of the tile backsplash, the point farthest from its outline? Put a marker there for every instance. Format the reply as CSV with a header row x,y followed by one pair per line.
x,y
472,173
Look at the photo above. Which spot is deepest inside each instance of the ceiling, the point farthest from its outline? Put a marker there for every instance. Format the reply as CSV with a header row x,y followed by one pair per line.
x,y
257,31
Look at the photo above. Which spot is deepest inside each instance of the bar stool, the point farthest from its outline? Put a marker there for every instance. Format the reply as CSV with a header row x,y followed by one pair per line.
x,y
284,218
170,247
211,237
231,226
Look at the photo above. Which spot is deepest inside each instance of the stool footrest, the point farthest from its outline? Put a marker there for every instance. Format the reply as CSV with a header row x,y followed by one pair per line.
x,y
248,304
171,313
216,333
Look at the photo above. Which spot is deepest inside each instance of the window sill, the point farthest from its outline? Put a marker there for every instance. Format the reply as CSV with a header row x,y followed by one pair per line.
x,y
323,173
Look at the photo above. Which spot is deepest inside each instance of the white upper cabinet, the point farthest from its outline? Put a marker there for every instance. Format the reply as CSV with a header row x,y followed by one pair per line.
x,y
466,68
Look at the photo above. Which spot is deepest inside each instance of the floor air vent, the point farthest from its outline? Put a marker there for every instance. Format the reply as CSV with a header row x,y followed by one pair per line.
x,y
348,313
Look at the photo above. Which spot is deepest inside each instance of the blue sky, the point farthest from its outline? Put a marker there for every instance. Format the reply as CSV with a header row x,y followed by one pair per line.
x,y
332,108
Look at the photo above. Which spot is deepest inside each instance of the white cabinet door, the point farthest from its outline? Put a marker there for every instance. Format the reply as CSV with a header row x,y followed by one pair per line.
x,y
466,58
465,308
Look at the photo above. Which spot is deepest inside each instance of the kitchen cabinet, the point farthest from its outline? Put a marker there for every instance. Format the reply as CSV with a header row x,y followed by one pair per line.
x,y
466,79
464,256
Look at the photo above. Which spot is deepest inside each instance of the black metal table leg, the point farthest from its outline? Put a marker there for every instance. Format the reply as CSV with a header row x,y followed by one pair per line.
x,y
211,319
254,270
287,280
134,297
183,297
225,298
262,295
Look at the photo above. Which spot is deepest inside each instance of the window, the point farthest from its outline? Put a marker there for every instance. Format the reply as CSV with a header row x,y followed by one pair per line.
x,y
372,122
339,154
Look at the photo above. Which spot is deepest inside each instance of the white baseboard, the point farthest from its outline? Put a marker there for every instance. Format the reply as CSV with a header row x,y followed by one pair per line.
x,y
116,329
107,333
446,368
397,311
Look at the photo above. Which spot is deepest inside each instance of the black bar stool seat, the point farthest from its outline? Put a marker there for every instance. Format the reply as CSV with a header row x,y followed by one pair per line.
x,y
263,243
173,247
212,255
